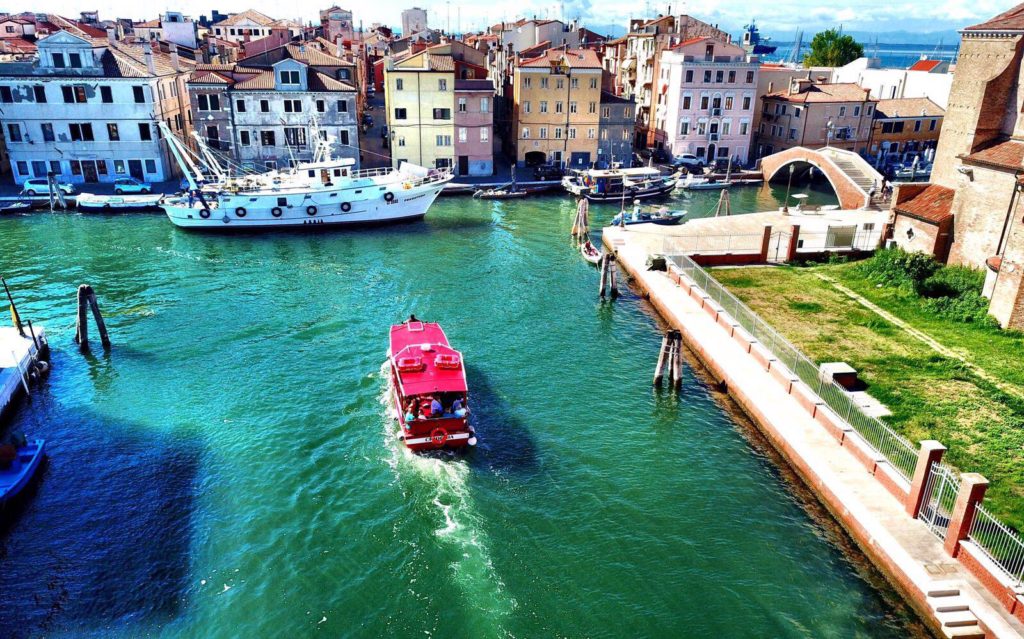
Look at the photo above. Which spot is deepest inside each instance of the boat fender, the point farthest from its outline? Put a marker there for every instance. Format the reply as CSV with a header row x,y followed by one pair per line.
x,y
310,210
439,436
240,211
345,207
43,366
204,213
276,211
389,197
407,186
106,205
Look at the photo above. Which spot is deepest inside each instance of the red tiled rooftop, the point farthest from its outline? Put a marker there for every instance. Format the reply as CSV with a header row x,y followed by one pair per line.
x,y
931,204
1008,154
924,65
1012,20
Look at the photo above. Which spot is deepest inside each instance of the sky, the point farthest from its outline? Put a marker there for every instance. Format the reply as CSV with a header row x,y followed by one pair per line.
x,y
779,18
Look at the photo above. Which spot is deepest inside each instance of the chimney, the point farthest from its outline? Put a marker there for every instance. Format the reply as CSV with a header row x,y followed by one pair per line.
x,y
111,35
147,52
173,50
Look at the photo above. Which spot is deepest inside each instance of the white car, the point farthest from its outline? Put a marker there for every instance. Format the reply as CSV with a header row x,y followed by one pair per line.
x,y
689,160
131,185
41,187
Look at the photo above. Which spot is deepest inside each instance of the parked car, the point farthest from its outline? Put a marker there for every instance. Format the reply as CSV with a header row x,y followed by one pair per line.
x,y
546,172
40,186
131,185
688,161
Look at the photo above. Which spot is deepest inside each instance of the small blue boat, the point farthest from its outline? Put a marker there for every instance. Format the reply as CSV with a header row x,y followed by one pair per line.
x,y
17,476
661,216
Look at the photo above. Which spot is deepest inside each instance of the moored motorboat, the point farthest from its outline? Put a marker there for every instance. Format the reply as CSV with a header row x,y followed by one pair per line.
x,y
117,203
590,252
610,185
499,194
428,387
19,462
20,206
662,216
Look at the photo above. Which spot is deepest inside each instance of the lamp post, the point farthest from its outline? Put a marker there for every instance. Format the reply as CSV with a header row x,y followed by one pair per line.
x,y
789,185
829,128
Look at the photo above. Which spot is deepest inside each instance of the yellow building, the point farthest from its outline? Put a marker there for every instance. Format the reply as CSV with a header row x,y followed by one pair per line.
x,y
419,94
557,102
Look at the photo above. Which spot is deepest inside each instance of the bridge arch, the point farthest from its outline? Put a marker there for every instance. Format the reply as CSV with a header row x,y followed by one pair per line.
x,y
849,175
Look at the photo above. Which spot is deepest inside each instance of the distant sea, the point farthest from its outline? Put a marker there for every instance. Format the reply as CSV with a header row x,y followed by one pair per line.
x,y
891,55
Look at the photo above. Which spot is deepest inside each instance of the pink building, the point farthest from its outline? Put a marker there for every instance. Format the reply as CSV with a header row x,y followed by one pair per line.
x,y
707,91
474,127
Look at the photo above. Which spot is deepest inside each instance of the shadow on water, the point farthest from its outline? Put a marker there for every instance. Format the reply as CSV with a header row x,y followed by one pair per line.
x,y
505,443
104,539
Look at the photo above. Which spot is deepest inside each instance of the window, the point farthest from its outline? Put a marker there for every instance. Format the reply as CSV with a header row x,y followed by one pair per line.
x,y
208,102
689,75
593,83
244,139
442,84
151,166
442,114
856,110
462,105
526,106
444,140
543,83
463,135
343,136
267,138
684,127
145,131
58,60
842,111
400,114
14,132
604,134
704,101
527,83
139,94
869,110
485,135
5,95
73,93
707,75
746,102
592,108
931,125
728,102
290,77
47,132
750,77
543,133
917,126
726,127
342,106
572,133
543,106
485,105
399,84
702,128
732,77
526,133
293,106
686,101
591,133
75,60
112,132
719,76
573,83
558,133
796,112
81,132
295,136
792,134
401,141
55,166
744,127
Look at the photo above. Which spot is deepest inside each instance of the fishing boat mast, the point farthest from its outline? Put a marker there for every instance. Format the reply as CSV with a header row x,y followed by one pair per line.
x,y
181,154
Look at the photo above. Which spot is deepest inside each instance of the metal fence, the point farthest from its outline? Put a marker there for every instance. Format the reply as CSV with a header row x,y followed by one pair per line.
x,y
900,453
712,244
939,498
839,238
1001,544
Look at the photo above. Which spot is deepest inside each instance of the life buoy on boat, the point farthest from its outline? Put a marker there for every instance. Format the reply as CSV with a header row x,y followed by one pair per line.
x,y
438,436
389,197
345,207
310,210
276,211
447,361
410,364
204,213
240,211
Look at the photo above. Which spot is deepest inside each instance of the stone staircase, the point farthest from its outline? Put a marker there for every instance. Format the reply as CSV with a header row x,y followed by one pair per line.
x,y
953,611
859,172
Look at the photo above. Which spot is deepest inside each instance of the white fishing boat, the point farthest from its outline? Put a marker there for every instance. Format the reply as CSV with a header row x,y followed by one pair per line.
x,y
612,185
117,203
325,191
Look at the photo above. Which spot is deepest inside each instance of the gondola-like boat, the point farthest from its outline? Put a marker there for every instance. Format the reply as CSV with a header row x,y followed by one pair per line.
x,y
18,465
590,252
661,216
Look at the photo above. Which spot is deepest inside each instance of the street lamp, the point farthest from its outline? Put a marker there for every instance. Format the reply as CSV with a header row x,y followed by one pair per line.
x,y
829,128
789,185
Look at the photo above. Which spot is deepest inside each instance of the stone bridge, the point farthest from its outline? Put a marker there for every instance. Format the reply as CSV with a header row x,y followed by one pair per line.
x,y
850,175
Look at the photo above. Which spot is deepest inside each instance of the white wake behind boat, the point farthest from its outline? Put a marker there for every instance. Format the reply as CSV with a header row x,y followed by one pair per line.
x,y
117,203
326,191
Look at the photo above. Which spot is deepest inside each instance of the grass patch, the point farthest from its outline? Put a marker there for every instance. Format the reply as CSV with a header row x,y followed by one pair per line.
x,y
931,396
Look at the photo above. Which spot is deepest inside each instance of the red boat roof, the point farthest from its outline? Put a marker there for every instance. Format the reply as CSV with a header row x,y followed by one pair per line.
x,y
425,341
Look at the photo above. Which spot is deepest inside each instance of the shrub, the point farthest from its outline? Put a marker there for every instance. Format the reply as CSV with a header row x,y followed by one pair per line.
x,y
970,307
953,281
895,267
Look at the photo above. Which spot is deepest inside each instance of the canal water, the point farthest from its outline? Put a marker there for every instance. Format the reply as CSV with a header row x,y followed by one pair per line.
x,y
229,470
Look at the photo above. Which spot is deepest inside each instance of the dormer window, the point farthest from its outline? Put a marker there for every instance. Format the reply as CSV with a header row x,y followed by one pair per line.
x,y
58,60
75,60
289,77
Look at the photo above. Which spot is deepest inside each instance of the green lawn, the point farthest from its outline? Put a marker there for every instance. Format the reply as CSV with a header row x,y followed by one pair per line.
x,y
974,407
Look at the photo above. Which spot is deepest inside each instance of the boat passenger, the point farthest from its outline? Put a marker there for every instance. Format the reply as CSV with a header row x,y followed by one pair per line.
x,y
436,409
459,408
410,411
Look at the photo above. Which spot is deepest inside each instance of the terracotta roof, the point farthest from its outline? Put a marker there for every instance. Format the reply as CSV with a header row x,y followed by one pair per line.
x,y
261,81
1012,20
426,61
209,77
536,49
1008,154
315,56
908,108
323,82
130,60
924,65
250,14
690,41
838,92
148,24
931,204
573,58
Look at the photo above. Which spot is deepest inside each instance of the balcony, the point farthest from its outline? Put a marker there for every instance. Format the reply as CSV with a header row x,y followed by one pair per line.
x,y
716,111
713,137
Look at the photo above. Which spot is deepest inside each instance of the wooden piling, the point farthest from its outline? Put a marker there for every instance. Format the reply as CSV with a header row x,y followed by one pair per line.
x,y
662,356
677,362
610,259
87,301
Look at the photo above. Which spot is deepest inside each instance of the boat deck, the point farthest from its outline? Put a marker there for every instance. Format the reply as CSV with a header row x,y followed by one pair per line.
x,y
15,351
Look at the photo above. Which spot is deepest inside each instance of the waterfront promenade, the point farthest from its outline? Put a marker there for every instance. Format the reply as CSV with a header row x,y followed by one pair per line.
x,y
912,558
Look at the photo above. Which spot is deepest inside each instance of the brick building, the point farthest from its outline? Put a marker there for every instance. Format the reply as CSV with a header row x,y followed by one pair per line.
x,y
905,129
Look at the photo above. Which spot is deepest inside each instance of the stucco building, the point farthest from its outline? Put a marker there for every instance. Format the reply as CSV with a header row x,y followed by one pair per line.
x,y
337,23
615,131
414,20
706,96
556,100
904,129
816,113
251,25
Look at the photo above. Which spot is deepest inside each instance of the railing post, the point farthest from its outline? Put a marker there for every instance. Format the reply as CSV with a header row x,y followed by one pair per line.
x,y
766,241
930,453
794,240
972,491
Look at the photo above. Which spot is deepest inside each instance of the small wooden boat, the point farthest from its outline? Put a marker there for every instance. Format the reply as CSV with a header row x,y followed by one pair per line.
x,y
661,216
428,388
21,462
117,203
499,194
590,253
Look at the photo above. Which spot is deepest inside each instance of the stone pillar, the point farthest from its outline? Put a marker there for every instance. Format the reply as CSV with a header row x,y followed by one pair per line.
x,y
931,452
972,491
766,241
794,240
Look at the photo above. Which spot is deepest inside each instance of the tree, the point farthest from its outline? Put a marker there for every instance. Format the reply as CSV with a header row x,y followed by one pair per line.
x,y
832,49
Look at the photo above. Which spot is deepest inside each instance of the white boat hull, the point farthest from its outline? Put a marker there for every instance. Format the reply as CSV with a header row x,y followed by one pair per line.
x,y
260,211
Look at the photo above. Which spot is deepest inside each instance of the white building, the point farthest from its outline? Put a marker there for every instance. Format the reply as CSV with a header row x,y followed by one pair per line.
x,y
251,25
170,27
892,84
413,21
337,23
86,110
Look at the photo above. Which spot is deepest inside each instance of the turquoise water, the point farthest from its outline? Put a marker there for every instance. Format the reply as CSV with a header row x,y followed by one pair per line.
x,y
228,470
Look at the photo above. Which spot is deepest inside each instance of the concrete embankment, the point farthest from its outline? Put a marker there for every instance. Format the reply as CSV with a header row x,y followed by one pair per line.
x,y
862,492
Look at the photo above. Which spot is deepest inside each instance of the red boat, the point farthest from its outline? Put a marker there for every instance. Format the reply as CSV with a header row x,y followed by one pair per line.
x,y
428,387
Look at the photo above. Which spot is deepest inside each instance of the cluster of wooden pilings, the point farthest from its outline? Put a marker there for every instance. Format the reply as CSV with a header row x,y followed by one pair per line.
x,y
609,278
671,355
581,224
87,301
